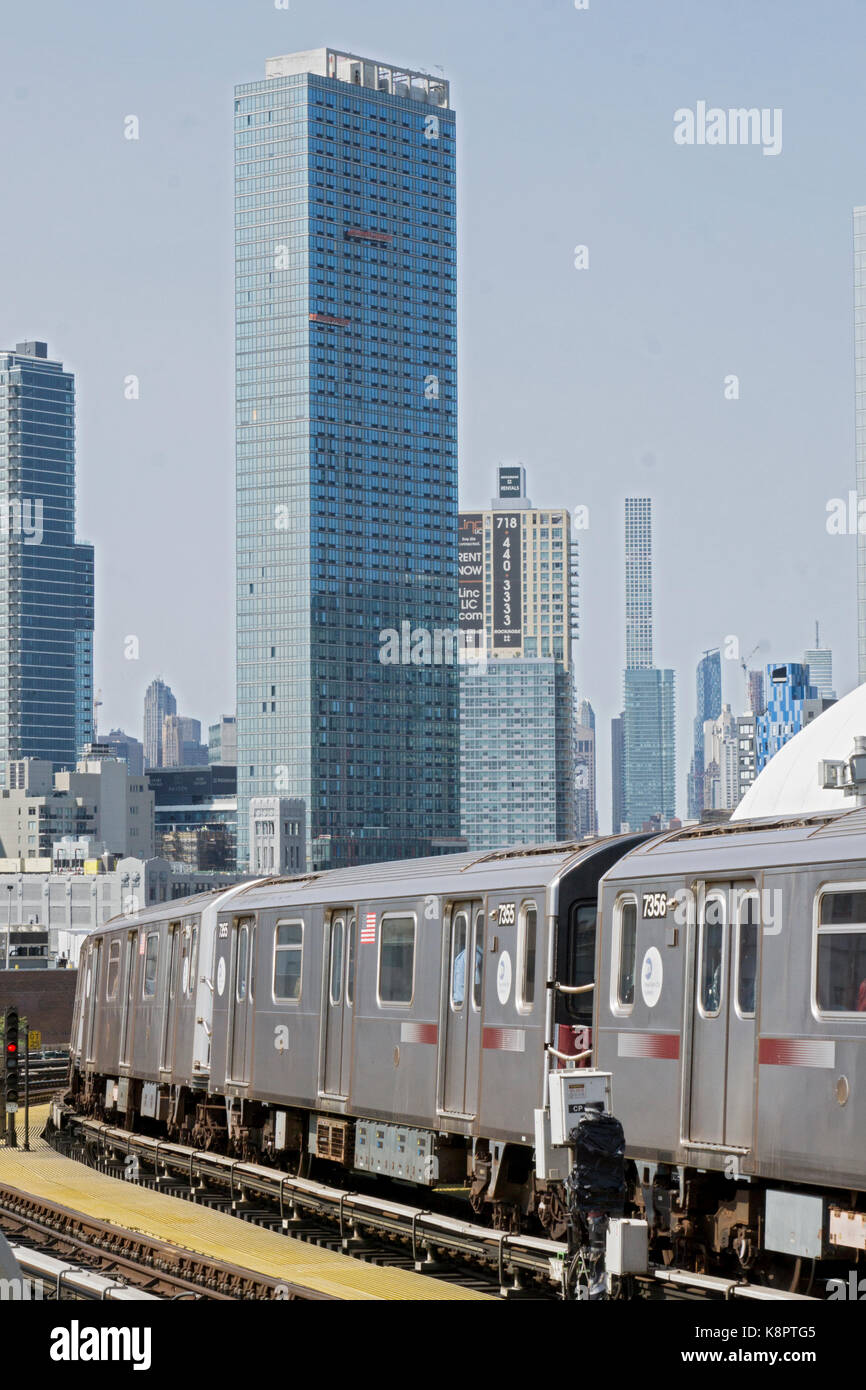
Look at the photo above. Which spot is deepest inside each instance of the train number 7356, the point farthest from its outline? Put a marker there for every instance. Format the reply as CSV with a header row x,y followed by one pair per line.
x,y
654,905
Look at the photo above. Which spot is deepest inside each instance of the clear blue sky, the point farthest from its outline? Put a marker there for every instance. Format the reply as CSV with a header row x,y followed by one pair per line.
x,y
703,262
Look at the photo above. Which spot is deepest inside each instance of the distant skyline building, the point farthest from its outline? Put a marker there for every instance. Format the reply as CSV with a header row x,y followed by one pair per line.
x,y
755,692
649,694
720,747
517,729
222,742
586,805
792,702
820,662
617,759
46,577
708,705
181,742
125,746
346,453
158,702
860,423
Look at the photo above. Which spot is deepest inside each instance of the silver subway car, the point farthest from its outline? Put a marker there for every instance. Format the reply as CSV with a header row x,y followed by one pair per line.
x,y
396,1019
731,1009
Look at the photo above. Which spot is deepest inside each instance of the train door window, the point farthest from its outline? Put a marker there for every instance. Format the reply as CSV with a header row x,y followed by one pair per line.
x,y
151,960
350,967
241,969
527,931
193,957
625,953
128,993
459,939
338,934
840,954
478,953
711,955
288,961
747,956
396,960
112,975
579,965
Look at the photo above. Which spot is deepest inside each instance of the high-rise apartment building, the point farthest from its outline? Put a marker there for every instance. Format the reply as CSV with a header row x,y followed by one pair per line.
x,y
517,731
129,749
860,422
586,809
820,662
708,703
755,692
222,741
792,702
158,702
346,423
721,770
46,578
649,732
181,742
617,759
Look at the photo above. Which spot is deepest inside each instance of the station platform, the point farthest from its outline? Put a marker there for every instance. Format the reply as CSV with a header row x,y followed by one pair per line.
x,y
46,1174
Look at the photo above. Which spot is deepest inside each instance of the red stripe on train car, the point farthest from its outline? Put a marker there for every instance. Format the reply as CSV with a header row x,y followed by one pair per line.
x,y
419,1032
504,1039
664,1045
796,1052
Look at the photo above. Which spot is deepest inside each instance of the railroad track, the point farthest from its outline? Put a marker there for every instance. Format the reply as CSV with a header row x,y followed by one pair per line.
x,y
83,1257
366,1225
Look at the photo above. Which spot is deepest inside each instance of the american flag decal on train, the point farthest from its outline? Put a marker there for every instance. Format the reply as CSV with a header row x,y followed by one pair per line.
x,y
368,931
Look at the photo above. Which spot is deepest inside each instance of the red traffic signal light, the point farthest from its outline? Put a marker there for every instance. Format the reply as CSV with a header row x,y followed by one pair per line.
x,y
12,1047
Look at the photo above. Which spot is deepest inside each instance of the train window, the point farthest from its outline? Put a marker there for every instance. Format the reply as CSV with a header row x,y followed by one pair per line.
x,y
113,973
459,935
193,957
840,983
241,962
478,972
526,943
396,960
626,952
288,960
350,967
151,959
711,953
338,933
579,965
747,957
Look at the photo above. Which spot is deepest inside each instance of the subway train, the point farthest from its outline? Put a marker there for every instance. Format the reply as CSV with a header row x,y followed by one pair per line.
x,y
405,1020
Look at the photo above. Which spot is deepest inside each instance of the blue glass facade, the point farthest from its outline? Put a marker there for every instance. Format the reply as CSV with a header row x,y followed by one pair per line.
x,y
788,688
346,419
46,579
649,746
709,706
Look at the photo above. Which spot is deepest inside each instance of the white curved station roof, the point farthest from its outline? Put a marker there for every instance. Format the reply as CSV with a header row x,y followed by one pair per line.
x,y
788,785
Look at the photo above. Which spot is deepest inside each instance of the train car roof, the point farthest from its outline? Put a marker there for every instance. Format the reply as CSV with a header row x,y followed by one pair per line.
x,y
481,871
740,846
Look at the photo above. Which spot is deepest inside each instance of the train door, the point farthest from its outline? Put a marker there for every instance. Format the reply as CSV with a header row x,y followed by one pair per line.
x,y
165,1057
240,998
93,993
128,995
461,1029
338,990
723,1019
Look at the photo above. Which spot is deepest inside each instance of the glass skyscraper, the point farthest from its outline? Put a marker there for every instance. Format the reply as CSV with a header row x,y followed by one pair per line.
x,y
708,693
46,579
346,419
648,727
